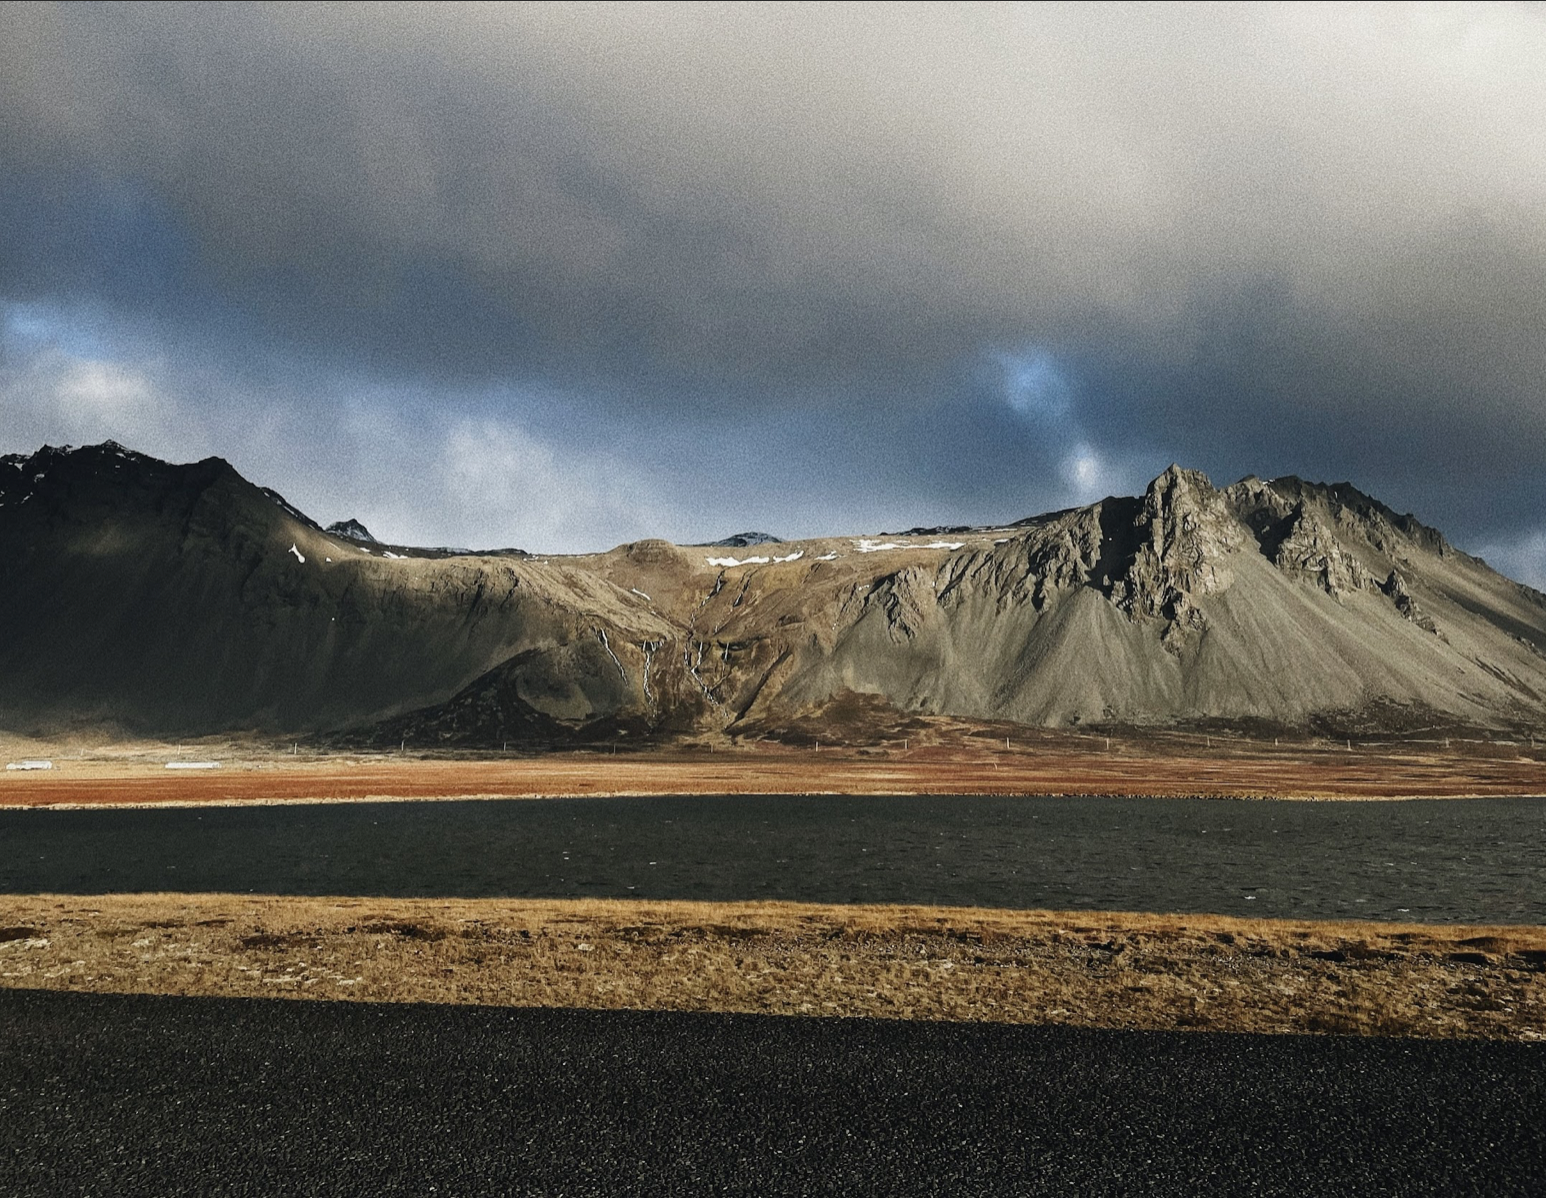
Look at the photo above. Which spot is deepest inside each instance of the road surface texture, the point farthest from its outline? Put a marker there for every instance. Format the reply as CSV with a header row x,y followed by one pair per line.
x,y
123,1095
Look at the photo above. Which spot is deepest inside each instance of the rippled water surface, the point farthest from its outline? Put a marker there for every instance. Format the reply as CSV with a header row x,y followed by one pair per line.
x,y
1473,860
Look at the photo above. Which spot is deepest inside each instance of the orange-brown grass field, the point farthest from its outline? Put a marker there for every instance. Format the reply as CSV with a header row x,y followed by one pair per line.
x,y
1031,762
1084,969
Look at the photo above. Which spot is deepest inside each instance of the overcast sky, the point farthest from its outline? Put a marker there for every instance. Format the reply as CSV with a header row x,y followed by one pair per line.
x,y
562,277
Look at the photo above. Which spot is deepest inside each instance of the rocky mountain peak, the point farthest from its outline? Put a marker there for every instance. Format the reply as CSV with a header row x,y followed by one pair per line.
x,y
745,540
1185,532
66,482
352,529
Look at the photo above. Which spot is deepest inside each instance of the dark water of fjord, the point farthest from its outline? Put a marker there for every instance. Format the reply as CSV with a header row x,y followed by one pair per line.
x,y
1472,860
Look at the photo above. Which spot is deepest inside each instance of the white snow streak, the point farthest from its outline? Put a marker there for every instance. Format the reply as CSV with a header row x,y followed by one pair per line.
x,y
867,545
602,633
299,556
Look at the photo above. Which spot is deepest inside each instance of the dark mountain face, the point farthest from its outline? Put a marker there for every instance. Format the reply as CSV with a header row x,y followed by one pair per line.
x,y
183,598
178,599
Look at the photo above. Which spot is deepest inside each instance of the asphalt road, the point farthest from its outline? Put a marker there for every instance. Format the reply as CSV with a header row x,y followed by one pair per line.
x,y
127,1095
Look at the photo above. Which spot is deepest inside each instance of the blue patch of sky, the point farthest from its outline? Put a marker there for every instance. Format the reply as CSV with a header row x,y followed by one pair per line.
x,y
101,267
101,237
33,326
1037,385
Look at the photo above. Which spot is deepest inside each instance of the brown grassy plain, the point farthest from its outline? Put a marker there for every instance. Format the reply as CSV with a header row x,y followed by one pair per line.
x,y
961,760
1113,970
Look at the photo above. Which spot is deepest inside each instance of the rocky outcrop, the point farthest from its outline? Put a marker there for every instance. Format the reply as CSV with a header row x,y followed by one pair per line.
x,y
1395,587
1063,555
1309,550
1186,534
1054,556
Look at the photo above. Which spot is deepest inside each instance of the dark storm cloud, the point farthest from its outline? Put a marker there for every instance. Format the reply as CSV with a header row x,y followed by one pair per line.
x,y
1253,238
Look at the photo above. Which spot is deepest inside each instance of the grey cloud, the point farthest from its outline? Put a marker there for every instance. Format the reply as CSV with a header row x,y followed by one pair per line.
x,y
729,181
1258,236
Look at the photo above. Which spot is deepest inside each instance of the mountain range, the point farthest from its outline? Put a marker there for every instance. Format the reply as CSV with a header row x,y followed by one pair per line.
x,y
183,599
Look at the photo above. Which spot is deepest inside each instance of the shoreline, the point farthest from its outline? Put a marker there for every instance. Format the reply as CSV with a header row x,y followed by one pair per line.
x,y
303,801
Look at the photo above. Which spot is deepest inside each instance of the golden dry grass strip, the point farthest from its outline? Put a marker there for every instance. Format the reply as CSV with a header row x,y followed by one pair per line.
x,y
1087,969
